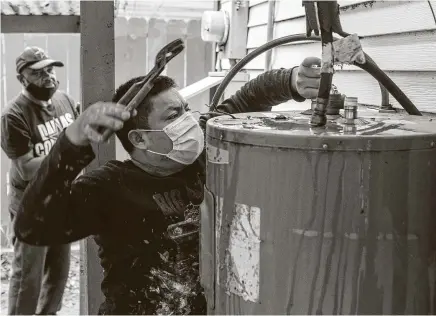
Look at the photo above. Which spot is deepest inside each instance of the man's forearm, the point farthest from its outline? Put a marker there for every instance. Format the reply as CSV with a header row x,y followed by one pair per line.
x,y
260,94
27,165
49,203
29,168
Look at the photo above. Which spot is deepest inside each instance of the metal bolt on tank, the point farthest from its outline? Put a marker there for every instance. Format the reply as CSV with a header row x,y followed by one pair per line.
x,y
329,220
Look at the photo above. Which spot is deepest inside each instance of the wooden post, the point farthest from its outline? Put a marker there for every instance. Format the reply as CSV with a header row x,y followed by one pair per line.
x,y
98,81
39,23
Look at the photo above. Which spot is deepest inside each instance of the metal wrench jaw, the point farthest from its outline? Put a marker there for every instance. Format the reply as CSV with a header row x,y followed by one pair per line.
x,y
162,58
138,92
164,55
168,52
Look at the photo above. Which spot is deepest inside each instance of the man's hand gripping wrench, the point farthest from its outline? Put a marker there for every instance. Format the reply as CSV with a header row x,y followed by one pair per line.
x,y
138,91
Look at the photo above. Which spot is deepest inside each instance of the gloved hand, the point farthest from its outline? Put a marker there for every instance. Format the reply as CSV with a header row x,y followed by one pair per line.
x,y
306,78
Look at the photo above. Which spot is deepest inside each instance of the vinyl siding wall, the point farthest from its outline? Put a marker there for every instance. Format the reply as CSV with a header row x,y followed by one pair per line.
x,y
399,35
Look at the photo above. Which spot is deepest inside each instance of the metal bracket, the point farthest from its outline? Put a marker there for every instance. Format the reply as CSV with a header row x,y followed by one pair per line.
x,y
237,12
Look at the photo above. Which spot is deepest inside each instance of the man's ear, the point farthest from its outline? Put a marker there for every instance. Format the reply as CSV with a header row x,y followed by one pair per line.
x,y
22,80
139,140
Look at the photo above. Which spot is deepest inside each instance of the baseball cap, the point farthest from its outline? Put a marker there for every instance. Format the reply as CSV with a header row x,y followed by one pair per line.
x,y
35,58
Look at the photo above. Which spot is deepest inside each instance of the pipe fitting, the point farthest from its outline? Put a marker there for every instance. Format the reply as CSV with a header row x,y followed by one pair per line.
x,y
319,117
350,110
335,104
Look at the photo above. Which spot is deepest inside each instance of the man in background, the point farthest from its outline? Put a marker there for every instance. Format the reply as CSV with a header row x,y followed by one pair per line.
x,y
30,125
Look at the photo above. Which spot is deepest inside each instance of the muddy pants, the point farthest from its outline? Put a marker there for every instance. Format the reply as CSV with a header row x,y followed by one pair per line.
x,y
38,279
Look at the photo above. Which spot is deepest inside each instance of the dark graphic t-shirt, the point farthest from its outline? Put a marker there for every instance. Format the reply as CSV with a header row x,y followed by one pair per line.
x,y
146,227
28,126
158,240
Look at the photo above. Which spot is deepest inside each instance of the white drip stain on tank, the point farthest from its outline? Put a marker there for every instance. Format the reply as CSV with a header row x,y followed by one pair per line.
x,y
351,236
243,255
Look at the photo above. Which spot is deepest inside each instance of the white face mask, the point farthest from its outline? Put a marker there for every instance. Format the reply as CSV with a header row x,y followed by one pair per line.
x,y
187,137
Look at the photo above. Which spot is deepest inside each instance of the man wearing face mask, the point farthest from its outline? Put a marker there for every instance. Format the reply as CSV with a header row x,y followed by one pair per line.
x,y
143,212
30,125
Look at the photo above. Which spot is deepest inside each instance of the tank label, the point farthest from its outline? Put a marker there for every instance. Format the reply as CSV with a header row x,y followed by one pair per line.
x,y
217,155
238,250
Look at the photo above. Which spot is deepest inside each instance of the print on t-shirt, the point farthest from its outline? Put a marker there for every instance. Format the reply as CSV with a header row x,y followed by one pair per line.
x,y
49,132
27,126
171,202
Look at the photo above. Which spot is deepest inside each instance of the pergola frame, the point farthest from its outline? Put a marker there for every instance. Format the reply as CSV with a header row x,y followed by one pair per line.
x,y
97,55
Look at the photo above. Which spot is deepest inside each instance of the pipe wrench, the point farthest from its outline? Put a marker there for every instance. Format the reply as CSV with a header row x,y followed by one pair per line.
x,y
138,91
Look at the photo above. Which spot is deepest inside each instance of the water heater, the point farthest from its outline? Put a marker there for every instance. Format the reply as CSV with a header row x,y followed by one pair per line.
x,y
332,220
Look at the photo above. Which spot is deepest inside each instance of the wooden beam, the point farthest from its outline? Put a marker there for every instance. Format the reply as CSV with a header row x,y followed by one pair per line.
x,y
40,23
200,86
98,84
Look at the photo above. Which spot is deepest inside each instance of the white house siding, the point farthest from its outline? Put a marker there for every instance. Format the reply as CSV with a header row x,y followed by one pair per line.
x,y
399,35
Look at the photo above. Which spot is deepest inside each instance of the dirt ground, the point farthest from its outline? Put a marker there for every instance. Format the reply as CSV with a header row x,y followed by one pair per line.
x,y
71,296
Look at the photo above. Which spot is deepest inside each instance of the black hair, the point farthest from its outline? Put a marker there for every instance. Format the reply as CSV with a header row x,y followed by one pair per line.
x,y
161,84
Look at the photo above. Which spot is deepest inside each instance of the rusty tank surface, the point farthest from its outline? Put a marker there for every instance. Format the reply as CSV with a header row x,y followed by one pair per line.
x,y
332,220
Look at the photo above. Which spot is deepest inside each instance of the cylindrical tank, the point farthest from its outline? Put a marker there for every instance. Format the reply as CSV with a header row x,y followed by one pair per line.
x,y
333,220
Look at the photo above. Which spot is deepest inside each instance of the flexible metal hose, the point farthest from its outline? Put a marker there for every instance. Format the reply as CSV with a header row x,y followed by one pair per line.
x,y
370,66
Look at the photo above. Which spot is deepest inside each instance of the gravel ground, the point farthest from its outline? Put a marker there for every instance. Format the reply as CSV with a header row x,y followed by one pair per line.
x,y
72,294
